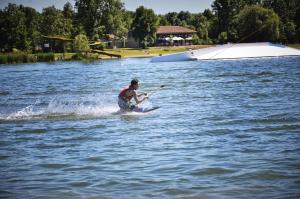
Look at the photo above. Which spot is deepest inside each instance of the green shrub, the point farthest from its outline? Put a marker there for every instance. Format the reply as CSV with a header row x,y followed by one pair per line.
x,y
45,57
84,57
22,57
15,57
31,58
3,59
81,43
223,37
77,56
196,40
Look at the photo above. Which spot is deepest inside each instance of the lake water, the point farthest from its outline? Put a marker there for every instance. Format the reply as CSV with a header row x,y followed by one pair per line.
x,y
225,129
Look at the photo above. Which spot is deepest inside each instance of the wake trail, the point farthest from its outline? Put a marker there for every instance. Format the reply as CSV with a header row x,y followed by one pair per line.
x,y
69,107
66,107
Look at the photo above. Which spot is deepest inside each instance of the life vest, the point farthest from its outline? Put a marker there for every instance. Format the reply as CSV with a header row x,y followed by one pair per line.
x,y
125,94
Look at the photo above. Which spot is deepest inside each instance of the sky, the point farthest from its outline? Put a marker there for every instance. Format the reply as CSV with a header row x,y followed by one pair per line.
x,y
159,6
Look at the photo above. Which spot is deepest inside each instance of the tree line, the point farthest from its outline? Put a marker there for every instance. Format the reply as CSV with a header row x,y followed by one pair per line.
x,y
23,27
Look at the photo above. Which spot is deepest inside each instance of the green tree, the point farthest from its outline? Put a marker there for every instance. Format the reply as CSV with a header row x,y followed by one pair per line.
x,y
222,38
172,18
226,10
290,32
32,22
69,16
127,18
184,17
196,40
81,43
213,29
297,22
201,25
18,24
257,24
163,21
297,16
113,20
208,14
68,11
144,26
125,26
54,22
106,14
287,11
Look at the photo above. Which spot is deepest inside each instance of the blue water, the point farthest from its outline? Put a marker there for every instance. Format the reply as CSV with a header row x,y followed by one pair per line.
x,y
225,129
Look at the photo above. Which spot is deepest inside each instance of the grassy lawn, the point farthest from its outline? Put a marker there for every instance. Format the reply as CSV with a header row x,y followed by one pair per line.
x,y
152,51
155,51
131,52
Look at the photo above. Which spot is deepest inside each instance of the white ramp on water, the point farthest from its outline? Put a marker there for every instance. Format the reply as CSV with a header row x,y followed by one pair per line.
x,y
231,51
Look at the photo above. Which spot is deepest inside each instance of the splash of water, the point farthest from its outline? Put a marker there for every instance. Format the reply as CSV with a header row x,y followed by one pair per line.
x,y
91,106
69,107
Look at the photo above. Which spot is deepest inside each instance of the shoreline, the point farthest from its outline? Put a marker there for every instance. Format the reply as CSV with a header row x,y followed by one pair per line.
x,y
122,53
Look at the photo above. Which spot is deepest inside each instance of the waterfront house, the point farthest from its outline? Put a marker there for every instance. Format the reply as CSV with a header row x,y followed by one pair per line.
x,y
174,35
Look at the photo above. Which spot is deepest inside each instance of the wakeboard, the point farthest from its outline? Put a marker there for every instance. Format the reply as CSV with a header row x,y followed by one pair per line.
x,y
146,110
138,110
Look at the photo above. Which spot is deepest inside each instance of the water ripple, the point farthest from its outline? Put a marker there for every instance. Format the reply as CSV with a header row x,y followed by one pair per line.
x,y
225,129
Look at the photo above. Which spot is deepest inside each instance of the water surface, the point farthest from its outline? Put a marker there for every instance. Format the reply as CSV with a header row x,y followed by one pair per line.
x,y
225,129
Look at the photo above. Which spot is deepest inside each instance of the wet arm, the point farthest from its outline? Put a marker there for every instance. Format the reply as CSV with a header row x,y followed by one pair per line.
x,y
142,94
136,98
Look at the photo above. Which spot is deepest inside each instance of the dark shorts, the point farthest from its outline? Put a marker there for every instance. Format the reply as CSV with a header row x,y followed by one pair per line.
x,y
125,105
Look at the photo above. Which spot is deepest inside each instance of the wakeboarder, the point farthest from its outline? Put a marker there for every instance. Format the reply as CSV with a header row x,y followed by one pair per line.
x,y
126,95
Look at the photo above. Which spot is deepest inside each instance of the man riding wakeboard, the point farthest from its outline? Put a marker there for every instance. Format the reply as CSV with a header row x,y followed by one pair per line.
x,y
125,96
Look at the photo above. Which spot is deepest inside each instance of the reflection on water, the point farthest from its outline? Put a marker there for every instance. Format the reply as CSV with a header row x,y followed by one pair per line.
x,y
225,129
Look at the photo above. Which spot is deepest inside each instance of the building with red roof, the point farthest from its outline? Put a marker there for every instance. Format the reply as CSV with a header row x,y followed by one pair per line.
x,y
174,35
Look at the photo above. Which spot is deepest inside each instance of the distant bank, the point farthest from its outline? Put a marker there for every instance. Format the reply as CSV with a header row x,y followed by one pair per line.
x,y
23,57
